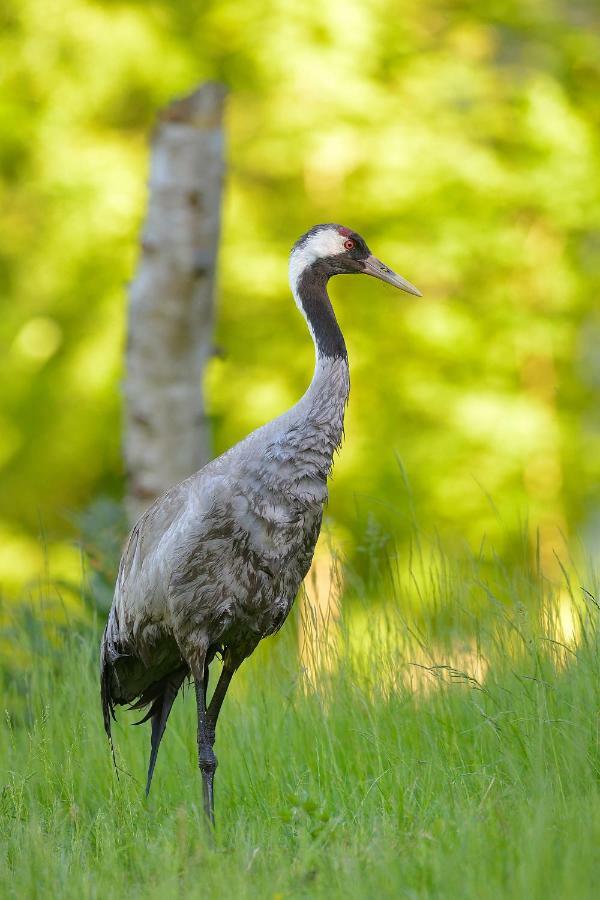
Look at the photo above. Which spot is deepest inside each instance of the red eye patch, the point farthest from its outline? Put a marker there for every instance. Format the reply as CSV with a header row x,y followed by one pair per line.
x,y
349,244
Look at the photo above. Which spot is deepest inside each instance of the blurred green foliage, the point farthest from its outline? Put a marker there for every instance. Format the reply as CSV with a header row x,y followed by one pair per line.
x,y
460,138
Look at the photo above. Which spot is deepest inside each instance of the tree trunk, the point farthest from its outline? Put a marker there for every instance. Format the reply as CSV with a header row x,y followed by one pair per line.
x,y
171,300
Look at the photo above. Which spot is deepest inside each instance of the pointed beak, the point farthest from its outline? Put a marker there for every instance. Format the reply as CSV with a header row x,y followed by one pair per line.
x,y
377,269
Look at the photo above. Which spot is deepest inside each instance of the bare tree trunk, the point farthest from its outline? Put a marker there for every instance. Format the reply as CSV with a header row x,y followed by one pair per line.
x,y
171,300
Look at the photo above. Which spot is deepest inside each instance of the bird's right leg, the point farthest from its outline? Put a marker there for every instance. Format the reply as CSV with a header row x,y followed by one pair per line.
x,y
207,761
218,696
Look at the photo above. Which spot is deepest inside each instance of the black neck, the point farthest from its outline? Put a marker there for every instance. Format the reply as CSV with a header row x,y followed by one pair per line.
x,y
312,294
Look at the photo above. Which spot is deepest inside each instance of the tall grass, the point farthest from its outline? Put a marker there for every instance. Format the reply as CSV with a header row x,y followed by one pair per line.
x,y
434,753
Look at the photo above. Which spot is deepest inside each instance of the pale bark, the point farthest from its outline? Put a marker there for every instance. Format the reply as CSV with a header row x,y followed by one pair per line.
x,y
171,300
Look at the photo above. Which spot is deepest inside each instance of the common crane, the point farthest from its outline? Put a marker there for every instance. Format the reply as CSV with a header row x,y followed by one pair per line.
x,y
214,565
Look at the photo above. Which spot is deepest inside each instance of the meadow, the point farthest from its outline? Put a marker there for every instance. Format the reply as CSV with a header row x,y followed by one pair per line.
x,y
426,750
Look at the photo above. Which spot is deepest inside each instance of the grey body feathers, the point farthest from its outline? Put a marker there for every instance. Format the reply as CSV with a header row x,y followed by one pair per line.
x,y
216,562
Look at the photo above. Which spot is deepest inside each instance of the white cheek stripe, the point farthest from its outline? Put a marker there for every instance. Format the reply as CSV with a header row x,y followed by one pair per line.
x,y
327,242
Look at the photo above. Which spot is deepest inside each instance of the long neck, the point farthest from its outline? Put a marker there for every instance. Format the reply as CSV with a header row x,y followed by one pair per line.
x,y
310,294
321,410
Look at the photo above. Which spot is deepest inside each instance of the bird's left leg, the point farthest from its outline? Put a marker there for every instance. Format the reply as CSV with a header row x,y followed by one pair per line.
x,y
207,761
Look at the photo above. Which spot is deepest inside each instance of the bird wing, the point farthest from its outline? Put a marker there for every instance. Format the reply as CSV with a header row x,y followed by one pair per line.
x,y
125,672
149,530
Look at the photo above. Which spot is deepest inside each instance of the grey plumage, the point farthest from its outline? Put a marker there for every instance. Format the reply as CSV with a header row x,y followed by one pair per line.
x,y
215,563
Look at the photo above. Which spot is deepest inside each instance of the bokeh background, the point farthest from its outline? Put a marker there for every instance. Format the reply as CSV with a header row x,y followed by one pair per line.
x,y
460,138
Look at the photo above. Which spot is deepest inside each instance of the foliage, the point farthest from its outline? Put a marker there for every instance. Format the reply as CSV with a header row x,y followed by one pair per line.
x,y
460,138
421,769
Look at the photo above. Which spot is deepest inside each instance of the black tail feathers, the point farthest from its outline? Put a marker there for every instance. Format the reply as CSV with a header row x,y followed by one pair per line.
x,y
159,695
159,713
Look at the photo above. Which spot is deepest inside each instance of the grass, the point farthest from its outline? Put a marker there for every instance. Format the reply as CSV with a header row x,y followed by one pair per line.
x,y
448,756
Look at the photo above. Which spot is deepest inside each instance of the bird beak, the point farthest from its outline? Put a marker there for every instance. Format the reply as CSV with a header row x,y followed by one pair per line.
x,y
377,269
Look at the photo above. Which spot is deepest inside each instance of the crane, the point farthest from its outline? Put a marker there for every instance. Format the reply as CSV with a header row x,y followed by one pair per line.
x,y
214,565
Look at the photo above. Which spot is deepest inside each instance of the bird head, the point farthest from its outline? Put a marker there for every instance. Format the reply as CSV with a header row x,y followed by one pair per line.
x,y
328,250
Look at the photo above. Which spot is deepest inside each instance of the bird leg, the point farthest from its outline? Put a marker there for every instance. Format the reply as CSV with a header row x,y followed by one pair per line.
x,y
207,723
207,761
216,702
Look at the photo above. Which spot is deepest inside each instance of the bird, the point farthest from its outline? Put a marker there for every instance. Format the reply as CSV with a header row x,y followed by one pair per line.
x,y
215,563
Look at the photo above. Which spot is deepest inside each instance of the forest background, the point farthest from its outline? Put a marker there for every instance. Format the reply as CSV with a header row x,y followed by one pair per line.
x,y
461,139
